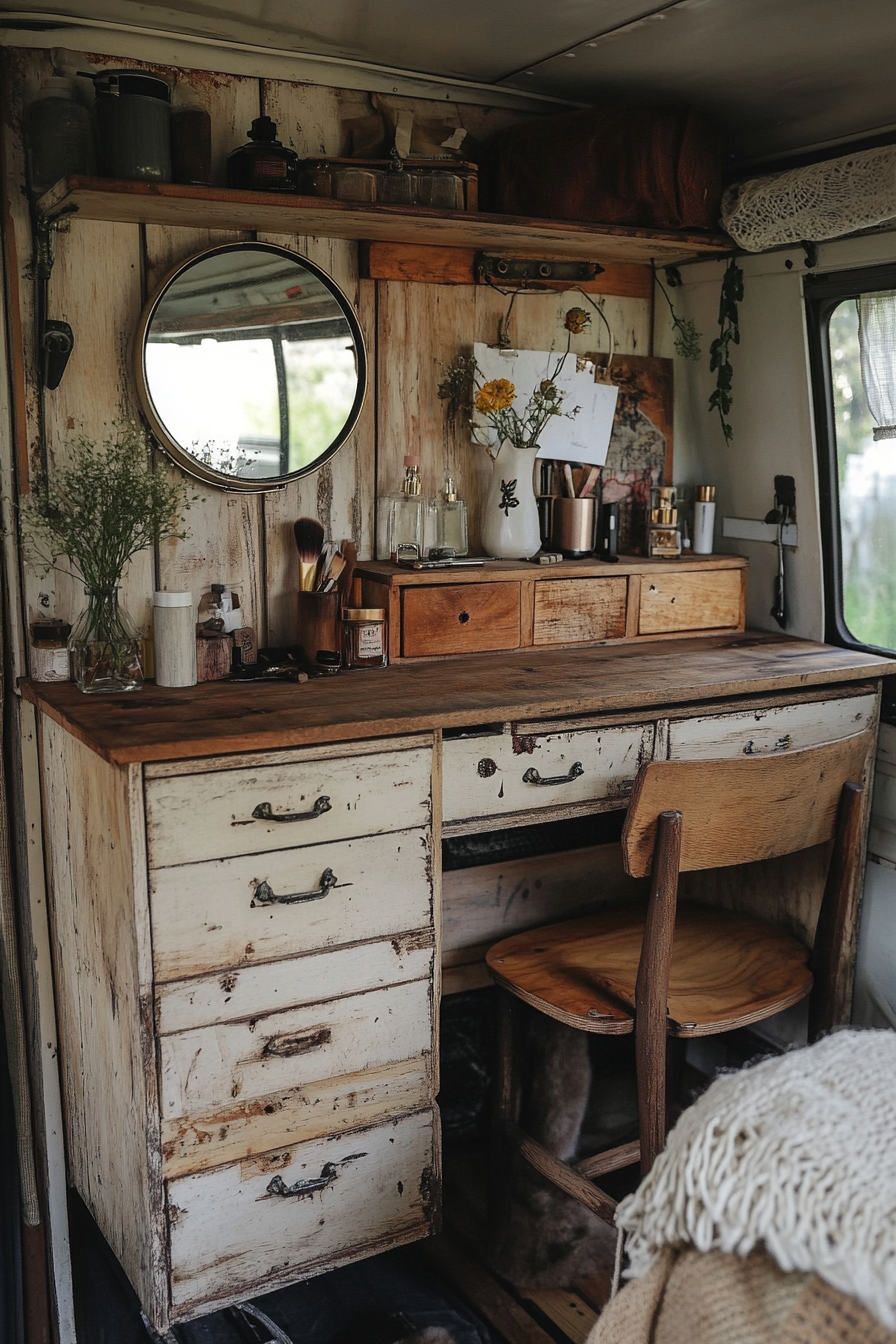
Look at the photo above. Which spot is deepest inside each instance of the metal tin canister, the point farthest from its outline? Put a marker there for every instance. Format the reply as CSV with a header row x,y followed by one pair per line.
x,y
134,115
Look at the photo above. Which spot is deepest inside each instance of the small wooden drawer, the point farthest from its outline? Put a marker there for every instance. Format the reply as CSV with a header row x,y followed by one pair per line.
x,y
705,600
460,618
236,1230
222,813
223,913
493,776
571,611
214,1065
776,729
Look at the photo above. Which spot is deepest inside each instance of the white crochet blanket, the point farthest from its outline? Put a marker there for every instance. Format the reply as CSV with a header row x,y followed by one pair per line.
x,y
797,1154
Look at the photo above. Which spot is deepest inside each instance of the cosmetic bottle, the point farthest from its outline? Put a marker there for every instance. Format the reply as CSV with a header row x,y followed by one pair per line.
x,y
451,519
406,510
704,519
663,532
264,164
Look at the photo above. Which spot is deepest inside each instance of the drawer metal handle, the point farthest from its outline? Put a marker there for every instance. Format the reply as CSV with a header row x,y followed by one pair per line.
x,y
301,1189
533,777
264,811
303,1044
265,894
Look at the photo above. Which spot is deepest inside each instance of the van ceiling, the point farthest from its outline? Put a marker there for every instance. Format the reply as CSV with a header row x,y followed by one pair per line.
x,y
780,76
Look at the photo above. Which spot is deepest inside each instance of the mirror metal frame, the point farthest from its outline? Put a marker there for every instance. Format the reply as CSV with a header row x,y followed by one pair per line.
x,y
185,460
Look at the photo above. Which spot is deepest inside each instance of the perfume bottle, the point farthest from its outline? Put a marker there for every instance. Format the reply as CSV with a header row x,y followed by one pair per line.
x,y
704,519
451,519
663,532
263,164
406,510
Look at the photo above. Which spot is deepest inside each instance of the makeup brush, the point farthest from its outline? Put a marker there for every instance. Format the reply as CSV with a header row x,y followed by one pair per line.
x,y
346,578
309,544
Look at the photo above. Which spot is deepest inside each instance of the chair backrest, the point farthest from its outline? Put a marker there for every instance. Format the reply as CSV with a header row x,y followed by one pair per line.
x,y
737,811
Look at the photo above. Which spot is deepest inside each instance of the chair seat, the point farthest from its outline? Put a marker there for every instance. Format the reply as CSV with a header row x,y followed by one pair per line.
x,y
728,970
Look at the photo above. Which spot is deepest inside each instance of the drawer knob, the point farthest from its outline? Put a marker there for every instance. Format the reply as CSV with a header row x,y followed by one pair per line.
x,y
328,1174
533,777
264,811
265,894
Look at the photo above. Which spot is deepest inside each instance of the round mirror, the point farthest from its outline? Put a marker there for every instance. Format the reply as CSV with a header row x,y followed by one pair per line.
x,y
250,366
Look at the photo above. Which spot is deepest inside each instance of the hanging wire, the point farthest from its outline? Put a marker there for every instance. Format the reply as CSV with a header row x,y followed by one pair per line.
x,y
610,337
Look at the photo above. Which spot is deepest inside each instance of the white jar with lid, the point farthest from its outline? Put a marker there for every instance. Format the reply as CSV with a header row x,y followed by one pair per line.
x,y
174,631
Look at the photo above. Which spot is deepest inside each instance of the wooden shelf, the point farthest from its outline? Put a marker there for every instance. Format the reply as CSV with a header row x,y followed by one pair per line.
x,y
217,208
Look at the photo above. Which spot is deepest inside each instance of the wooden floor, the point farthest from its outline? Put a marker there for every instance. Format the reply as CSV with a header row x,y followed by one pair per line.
x,y
518,1315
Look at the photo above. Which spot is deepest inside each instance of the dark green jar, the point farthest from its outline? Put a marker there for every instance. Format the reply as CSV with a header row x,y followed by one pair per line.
x,y
134,115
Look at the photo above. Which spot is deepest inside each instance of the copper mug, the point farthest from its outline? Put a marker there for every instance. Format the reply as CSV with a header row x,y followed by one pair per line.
x,y
572,527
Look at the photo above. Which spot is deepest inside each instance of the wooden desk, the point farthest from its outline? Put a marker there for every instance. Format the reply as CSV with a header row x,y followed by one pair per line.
x,y
246,907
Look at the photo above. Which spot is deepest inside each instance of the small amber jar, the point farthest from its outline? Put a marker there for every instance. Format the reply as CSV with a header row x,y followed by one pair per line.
x,y
363,638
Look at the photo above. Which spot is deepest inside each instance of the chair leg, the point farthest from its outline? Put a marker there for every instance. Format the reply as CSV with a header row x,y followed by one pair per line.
x,y
652,989
839,894
505,1111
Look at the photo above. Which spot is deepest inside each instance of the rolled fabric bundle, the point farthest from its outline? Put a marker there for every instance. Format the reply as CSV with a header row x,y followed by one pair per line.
x,y
823,200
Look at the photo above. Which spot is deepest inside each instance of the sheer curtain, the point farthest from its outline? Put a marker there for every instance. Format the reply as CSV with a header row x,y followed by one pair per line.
x,y
877,342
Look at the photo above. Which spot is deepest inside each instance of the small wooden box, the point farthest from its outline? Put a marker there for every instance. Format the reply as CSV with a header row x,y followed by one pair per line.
x,y
507,605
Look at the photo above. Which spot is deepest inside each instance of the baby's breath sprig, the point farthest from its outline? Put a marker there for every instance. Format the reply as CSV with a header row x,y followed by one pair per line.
x,y
101,507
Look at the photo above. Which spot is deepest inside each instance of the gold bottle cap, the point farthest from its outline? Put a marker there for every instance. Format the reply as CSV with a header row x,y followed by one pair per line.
x,y
450,492
706,494
363,613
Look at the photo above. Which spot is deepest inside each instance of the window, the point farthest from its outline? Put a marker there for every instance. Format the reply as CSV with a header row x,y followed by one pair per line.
x,y
857,473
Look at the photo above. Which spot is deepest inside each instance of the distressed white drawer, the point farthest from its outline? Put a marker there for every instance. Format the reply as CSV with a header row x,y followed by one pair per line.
x,y
781,728
492,776
214,915
211,1065
222,813
250,991
232,1232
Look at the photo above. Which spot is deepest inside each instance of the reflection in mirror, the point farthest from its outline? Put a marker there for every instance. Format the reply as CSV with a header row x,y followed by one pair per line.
x,y
251,366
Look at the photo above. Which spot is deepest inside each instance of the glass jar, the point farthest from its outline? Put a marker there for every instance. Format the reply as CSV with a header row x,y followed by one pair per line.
x,y
105,646
60,136
363,638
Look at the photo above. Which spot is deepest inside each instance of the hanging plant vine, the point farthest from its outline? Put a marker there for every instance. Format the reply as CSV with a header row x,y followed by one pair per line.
x,y
719,352
687,338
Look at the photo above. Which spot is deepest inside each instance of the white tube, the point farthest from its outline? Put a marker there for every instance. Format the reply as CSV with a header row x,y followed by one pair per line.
x,y
704,521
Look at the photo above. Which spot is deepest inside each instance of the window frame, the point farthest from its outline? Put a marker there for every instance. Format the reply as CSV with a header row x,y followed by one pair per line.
x,y
822,294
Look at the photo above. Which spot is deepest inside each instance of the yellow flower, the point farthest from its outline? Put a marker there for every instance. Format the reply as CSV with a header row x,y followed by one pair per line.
x,y
496,395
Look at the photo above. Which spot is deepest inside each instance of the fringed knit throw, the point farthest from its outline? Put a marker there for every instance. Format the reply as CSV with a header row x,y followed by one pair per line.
x,y
797,1154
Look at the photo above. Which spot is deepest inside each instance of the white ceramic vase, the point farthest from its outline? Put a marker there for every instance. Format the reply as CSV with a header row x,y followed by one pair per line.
x,y
510,527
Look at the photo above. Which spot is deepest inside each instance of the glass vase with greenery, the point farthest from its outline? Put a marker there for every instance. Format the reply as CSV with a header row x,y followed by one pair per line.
x,y
87,519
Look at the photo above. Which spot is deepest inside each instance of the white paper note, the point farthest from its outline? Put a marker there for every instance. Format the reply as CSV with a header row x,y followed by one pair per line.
x,y
584,438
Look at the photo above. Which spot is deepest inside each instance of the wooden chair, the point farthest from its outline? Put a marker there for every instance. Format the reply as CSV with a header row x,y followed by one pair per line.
x,y
695,971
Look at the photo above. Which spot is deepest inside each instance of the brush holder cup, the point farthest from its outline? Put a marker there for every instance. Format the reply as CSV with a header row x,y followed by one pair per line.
x,y
572,527
318,623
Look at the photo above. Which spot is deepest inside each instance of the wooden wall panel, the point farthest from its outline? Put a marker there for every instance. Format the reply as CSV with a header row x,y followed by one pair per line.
x,y
102,275
341,494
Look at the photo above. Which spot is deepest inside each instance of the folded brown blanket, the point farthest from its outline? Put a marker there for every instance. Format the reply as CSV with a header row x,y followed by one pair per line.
x,y
696,1297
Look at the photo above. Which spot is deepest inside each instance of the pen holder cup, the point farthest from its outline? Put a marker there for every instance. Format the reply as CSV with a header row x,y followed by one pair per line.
x,y
318,623
572,527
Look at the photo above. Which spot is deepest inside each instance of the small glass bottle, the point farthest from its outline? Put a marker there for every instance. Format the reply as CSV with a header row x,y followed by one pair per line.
x,y
406,510
364,638
264,164
451,519
663,532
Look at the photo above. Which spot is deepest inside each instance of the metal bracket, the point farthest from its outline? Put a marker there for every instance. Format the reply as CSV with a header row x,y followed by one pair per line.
x,y
55,340
523,270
